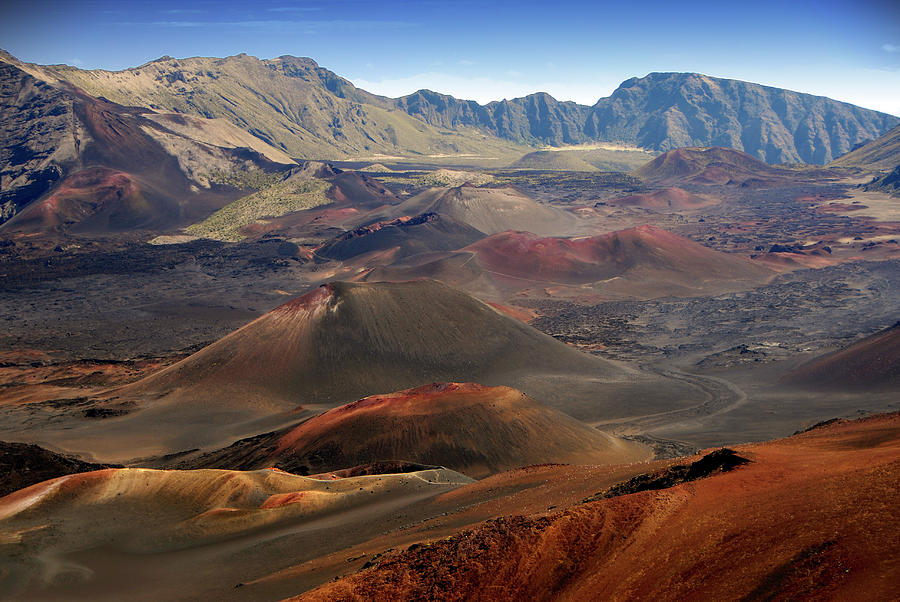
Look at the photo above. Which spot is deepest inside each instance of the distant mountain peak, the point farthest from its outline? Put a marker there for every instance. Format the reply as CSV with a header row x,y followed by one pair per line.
x,y
306,110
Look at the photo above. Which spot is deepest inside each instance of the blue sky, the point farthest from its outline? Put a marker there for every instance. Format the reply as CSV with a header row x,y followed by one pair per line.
x,y
491,50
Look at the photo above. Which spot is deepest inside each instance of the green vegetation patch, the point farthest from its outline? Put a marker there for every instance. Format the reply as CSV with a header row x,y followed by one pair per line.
x,y
452,177
253,179
569,180
272,201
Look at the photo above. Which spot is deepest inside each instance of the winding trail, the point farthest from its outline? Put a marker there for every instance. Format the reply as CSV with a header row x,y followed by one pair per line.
x,y
721,396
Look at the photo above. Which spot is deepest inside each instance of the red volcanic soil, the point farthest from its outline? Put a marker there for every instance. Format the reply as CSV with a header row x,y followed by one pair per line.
x,y
84,195
784,258
640,251
467,427
786,262
667,198
840,207
521,314
359,190
870,363
812,516
122,178
714,165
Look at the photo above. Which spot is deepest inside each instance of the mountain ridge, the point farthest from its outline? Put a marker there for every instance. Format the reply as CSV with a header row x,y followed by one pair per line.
x,y
288,102
308,111
780,125
54,132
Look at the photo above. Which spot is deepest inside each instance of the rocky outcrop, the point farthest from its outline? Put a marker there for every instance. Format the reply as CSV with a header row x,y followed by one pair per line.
x,y
22,465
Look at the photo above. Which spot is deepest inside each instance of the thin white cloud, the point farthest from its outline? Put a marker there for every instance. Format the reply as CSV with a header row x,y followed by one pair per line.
x,y
293,9
280,24
891,47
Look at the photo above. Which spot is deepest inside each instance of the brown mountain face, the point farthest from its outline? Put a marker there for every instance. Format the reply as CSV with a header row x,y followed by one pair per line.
x,y
490,210
714,165
638,263
870,363
809,517
111,167
288,102
41,138
645,252
663,111
342,341
536,118
669,110
668,199
309,112
469,428
882,153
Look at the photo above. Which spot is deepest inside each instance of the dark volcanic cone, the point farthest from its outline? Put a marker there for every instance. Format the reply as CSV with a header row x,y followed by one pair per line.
x,y
342,341
491,210
402,237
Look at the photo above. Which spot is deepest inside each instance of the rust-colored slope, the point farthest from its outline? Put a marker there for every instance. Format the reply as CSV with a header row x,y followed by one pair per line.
x,y
645,251
715,165
667,199
643,262
108,167
881,153
467,427
871,363
143,516
811,516
89,192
